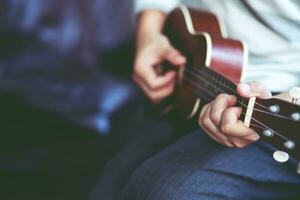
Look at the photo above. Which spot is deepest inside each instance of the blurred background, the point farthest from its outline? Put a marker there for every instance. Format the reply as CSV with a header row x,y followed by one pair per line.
x,y
65,94
72,123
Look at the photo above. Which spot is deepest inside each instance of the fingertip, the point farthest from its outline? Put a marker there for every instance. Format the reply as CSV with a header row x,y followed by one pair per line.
x,y
170,75
253,137
167,78
243,89
180,60
238,111
257,137
175,57
232,100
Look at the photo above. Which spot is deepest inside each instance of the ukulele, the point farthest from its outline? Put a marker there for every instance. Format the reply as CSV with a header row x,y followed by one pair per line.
x,y
214,66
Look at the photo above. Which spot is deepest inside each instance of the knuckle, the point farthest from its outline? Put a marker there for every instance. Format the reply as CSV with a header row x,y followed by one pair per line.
x,y
258,86
203,122
203,110
170,91
221,96
157,96
240,145
206,121
215,117
225,128
200,119
152,84
205,106
200,122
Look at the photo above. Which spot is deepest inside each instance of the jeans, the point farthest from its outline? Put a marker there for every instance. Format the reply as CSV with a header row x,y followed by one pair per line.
x,y
196,167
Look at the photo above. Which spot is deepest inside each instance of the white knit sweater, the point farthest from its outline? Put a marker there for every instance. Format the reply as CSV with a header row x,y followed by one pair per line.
x,y
274,60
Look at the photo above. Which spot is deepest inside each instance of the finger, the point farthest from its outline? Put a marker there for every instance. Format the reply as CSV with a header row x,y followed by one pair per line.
x,y
253,89
148,75
157,95
174,56
240,143
161,94
203,111
233,127
201,122
221,102
213,130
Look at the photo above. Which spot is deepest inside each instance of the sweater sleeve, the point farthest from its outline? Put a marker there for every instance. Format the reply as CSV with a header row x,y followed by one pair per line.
x,y
162,5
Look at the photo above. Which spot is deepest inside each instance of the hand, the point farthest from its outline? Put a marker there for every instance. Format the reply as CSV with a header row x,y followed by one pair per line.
x,y
152,50
221,121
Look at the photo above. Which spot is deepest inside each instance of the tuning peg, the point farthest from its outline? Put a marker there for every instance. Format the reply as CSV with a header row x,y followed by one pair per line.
x,y
295,94
281,156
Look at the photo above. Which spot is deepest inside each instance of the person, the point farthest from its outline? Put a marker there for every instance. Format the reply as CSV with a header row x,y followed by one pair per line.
x,y
223,159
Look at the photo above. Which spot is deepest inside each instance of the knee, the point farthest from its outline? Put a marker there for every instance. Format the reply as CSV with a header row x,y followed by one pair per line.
x,y
183,185
144,185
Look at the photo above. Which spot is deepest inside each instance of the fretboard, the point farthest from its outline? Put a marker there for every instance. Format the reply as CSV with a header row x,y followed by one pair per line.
x,y
208,84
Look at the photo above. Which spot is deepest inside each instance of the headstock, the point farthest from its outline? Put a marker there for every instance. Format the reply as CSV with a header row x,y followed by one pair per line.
x,y
278,123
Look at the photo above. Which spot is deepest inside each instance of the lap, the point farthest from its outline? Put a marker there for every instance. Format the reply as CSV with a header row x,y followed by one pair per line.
x,y
198,168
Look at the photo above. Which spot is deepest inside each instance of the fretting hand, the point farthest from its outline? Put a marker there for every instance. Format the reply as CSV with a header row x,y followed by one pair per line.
x,y
220,119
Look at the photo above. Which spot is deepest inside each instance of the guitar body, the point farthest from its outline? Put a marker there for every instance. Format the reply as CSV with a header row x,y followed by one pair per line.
x,y
199,36
214,66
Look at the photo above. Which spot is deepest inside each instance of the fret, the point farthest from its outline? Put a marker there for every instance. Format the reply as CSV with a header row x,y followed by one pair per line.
x,y
208,84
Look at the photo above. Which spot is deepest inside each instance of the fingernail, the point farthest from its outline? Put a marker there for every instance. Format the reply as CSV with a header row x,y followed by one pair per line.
x,y
245,88
257,136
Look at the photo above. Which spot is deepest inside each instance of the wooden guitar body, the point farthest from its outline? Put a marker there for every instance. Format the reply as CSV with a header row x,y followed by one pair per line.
x,y
199,36
214,66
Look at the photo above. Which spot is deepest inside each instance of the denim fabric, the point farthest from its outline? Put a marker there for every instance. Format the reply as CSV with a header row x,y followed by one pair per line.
x,y
198,168
145,135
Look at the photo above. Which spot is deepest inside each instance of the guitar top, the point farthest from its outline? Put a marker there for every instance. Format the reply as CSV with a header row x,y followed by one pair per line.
x,y
214,66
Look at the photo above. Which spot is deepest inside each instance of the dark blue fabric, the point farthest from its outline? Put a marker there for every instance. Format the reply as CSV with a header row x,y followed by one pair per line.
x,y
52,56
52,59
146,135
198,168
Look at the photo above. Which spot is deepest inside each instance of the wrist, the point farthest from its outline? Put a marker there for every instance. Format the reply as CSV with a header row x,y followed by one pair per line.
x,y
150,25
151,21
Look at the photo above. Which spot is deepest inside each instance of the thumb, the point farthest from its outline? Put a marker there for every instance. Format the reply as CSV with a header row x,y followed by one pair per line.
x,y
174,56
253,89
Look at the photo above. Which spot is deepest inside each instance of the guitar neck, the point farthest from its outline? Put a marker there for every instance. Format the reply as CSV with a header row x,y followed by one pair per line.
x,y
208,84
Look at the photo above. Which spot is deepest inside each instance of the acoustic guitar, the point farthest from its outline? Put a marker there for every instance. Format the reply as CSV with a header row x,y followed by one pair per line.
x,y
214,66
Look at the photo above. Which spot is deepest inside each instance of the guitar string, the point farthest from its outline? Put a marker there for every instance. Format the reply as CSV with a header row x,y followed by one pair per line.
x,y
228,87
210,99
263,111
283,137
270,129
264,126
241,102
201,74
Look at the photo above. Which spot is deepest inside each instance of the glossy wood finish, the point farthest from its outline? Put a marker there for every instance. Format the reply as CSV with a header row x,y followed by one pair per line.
x,y
281,124
198,36
214,65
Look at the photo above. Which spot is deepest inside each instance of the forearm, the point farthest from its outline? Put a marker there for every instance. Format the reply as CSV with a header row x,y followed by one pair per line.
x,y
150,23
